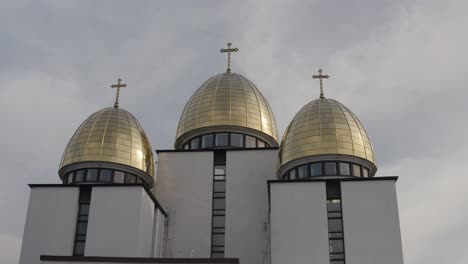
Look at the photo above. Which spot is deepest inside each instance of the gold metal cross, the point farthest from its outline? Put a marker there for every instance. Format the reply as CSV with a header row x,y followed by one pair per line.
x,y
229,50
118,86
320,76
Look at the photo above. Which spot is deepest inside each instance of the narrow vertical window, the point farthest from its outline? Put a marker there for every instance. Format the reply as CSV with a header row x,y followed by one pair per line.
x,y
219,205
84,201
335,223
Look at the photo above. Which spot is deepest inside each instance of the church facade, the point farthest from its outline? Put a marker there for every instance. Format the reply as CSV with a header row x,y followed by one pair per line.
x,y
229,192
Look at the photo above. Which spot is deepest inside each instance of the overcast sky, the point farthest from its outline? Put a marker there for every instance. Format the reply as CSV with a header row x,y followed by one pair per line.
x,y
400,66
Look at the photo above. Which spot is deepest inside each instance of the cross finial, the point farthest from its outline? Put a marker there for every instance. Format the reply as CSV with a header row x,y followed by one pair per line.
x,y
118,86
320,76
229,50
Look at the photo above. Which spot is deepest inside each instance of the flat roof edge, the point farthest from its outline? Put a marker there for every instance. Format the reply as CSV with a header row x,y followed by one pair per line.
x,y
214,149
383,178
137,259
148,191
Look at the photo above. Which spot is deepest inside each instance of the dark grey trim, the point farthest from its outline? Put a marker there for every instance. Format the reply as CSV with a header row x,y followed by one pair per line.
x,y
148,191
148,179
207,150
236,129
325,179
137,260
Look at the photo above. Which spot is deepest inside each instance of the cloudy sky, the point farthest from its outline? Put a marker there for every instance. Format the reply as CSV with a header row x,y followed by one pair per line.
x,y
401,66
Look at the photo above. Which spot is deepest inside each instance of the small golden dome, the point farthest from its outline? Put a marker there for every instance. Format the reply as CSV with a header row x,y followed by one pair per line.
x,y
227,102
113,136
325,127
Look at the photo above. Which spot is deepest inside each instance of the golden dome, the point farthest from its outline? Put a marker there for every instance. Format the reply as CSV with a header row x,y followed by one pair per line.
x,y
325,127
227,102
113,136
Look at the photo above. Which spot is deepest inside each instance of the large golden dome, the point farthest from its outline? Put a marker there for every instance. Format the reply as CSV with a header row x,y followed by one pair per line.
x,y
326,127
227,102
112,136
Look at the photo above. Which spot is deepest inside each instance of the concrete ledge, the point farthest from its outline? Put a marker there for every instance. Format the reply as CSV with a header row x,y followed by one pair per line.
x,y
50,258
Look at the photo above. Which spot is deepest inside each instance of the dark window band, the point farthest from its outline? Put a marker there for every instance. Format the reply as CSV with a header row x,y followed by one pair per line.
x,y
224,140
327,168
95,175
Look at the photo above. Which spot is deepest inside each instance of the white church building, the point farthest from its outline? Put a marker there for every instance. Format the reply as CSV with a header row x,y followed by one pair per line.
x,y
229,192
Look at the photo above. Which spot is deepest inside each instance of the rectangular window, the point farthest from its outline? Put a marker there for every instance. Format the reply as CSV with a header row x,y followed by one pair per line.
x,y
334,205
84,209
330,168
302,172
217,254
334,214
91,175
119,176
106,176
219,195
194,143
260,143
130,178
292,174
337,262
356,170
70,178
250,142
237,140
218,240
218,221
221,140
335,225
219,203
365,172
186,146
219,186
336,246
79,176
78,249
220,170
207,141
335,235
316,169
345,169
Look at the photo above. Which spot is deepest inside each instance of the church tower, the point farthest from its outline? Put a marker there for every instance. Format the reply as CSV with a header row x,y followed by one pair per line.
x,y
104,206
214,182
327,206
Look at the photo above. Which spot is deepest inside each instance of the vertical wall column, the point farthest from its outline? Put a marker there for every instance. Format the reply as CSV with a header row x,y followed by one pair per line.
x,y
84,201
335,223
218,223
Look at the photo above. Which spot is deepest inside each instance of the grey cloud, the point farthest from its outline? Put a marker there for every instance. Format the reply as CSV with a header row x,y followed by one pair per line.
x,y
400,66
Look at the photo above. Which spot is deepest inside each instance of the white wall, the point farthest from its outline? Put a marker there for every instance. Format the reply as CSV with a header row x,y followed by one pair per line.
x,y
299,228
184,187
50,223
159,235
371,223
120,222
247,173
